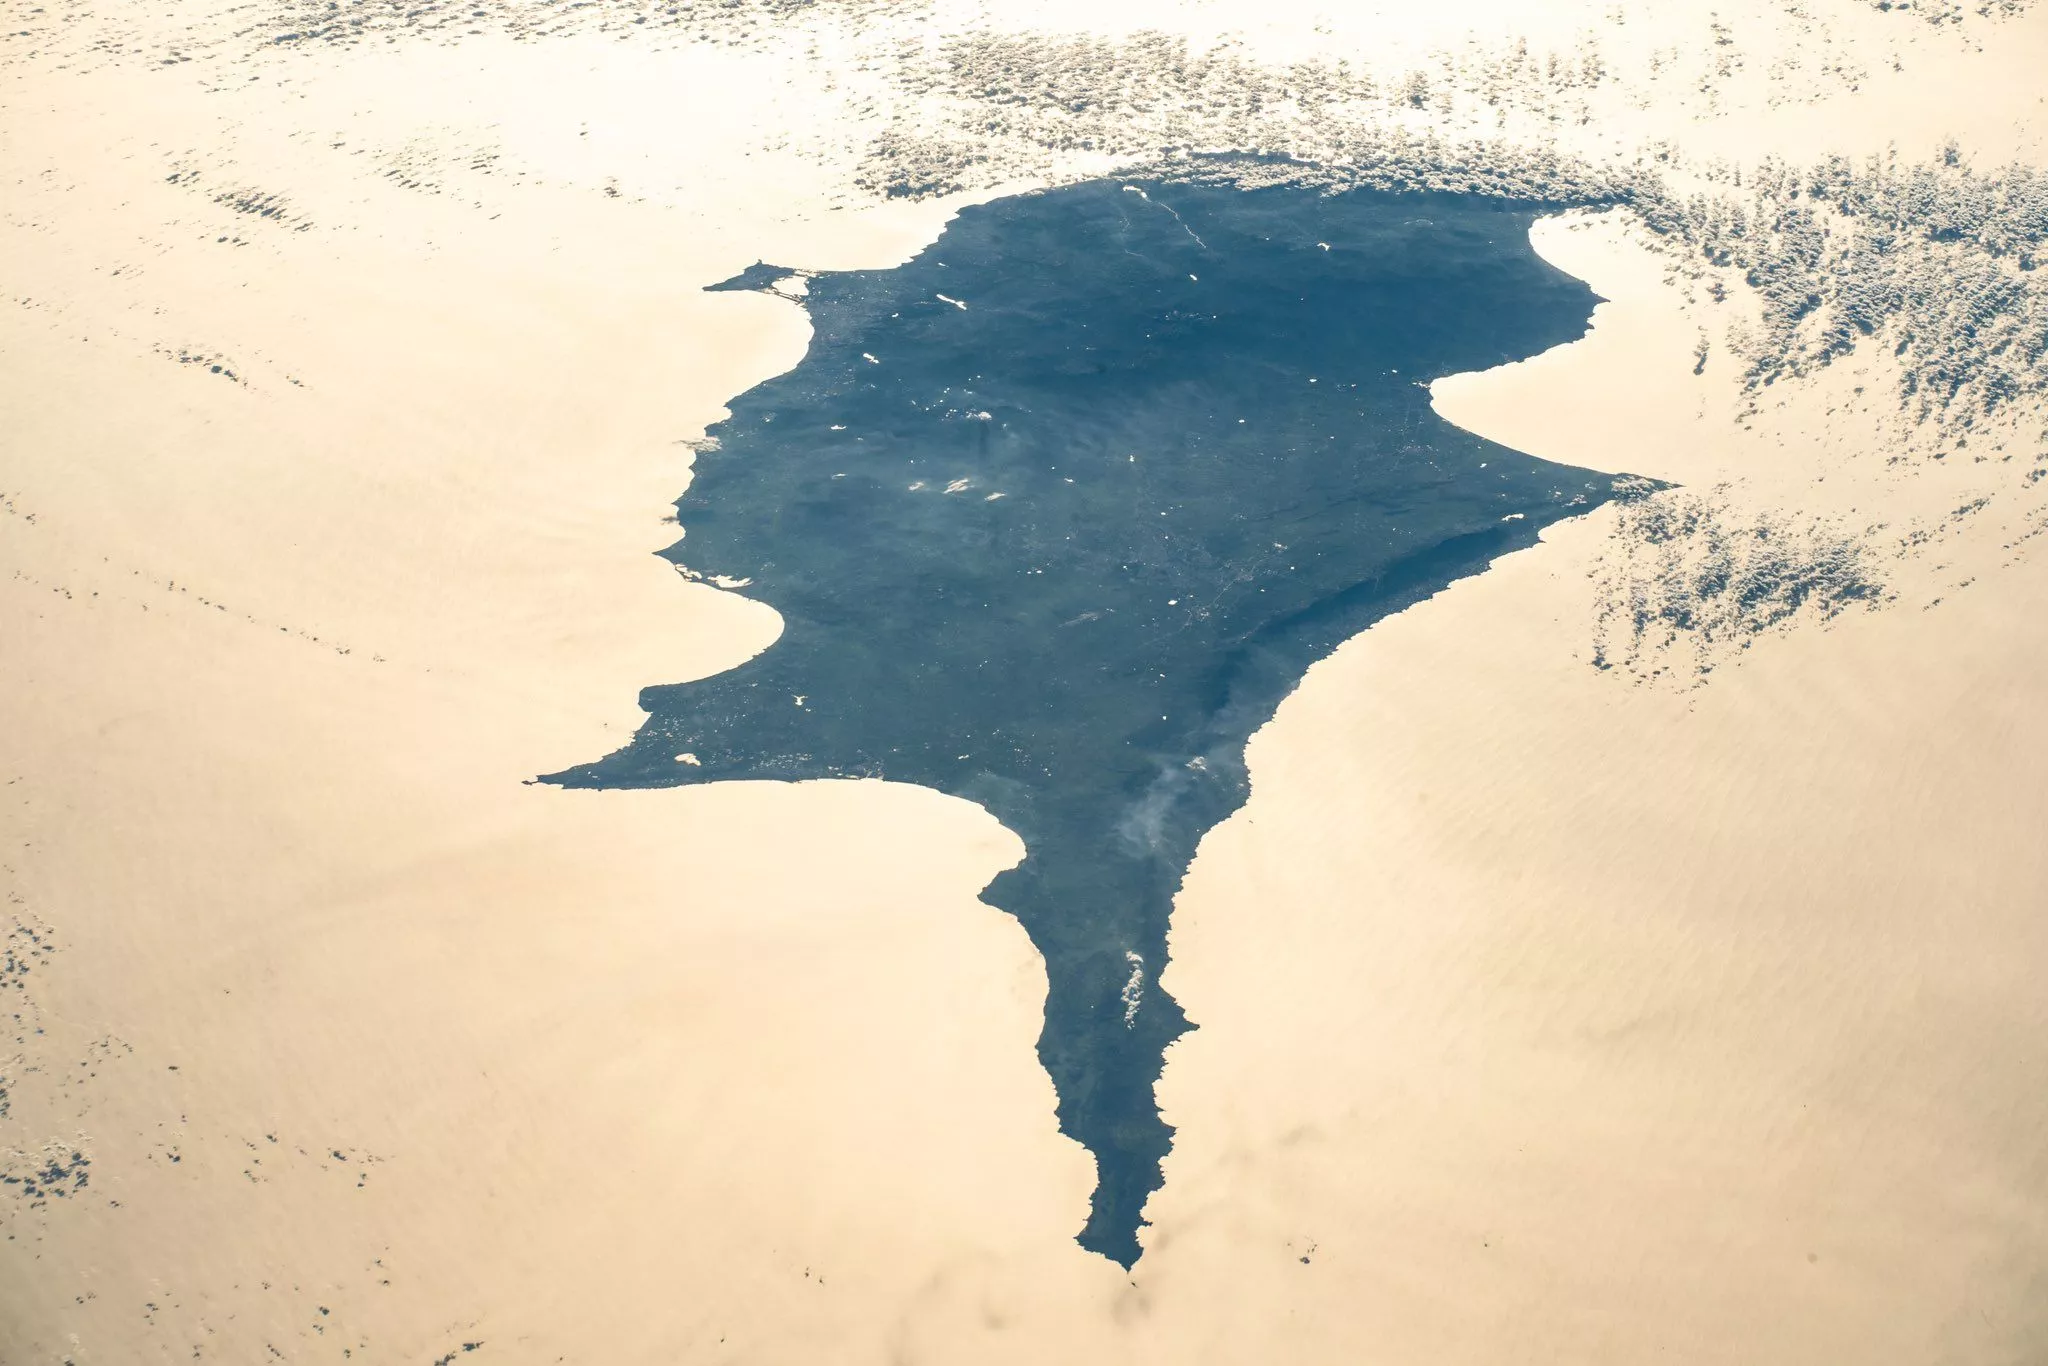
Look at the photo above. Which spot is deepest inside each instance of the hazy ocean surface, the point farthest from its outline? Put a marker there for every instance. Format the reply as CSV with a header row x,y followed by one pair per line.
x,y
1059,511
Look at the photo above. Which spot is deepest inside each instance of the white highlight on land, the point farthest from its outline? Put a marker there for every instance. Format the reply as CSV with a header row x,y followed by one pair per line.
x,y
1133,189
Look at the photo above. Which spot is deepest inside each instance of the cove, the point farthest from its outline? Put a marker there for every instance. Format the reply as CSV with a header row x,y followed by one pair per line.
x,y
1059,511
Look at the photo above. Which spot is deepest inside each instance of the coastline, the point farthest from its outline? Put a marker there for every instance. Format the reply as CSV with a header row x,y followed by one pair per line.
x,y
364,1042
1547,1012
1570,992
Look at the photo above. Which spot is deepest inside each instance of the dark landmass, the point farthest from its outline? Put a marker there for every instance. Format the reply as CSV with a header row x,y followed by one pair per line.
x,y
1058,512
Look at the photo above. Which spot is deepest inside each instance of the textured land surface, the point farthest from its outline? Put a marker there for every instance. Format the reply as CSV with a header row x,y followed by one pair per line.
x,y
1060,544
1629,953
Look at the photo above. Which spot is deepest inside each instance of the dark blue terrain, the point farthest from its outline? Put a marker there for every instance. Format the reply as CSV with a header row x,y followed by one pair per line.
x,y
1059,511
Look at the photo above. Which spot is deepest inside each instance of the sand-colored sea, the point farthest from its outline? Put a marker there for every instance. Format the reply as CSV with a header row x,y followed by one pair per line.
x,y
1547,1012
